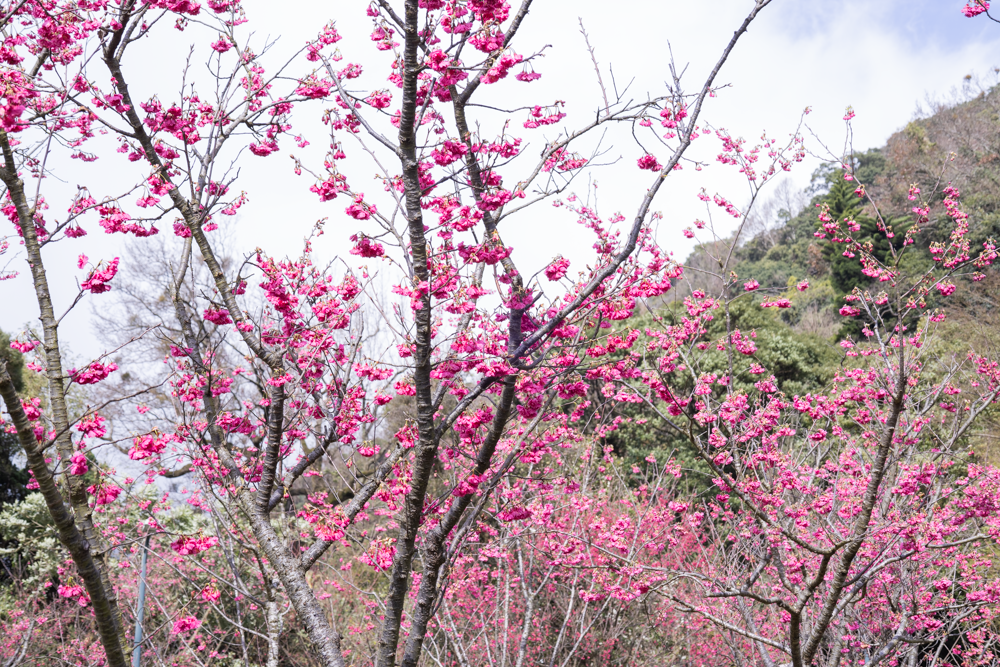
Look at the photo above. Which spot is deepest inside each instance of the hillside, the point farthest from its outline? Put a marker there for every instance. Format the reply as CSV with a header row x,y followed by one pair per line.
x,y
956,144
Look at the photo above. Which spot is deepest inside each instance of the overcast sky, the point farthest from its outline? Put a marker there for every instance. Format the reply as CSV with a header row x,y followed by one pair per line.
x,y
883,57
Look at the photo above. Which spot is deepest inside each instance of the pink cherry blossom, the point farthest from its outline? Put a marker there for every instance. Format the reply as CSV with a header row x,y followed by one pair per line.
x,y
557,269
78,464
97,281
185,624
649,162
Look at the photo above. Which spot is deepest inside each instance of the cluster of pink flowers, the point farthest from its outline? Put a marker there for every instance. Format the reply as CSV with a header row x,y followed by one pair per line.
x,y
366,247
557,269
93,373
975,8
186,546
78,464
501,68
379,555
217,316
97,281
18,93
541,116
150,445
104,493
24,346
185,624
779,303
74,592
92,426
649,163
514,514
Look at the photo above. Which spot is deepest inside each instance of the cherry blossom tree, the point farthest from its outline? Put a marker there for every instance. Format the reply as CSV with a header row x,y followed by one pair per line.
x,y
852,525
272,379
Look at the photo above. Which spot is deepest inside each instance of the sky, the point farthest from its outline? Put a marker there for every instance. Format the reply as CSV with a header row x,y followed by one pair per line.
x,y
885,58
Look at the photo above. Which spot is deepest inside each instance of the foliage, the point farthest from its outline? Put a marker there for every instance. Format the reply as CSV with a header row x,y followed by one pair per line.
x,y
35,554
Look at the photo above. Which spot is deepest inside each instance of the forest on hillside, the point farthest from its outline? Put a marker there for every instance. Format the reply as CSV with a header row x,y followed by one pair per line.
x,y
782,450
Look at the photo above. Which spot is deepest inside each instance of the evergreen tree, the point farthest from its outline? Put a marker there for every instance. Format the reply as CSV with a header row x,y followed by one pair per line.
x,y
14,361
12,477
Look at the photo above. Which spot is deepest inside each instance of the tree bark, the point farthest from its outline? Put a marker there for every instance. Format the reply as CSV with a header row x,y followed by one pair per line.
x,y
108,624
